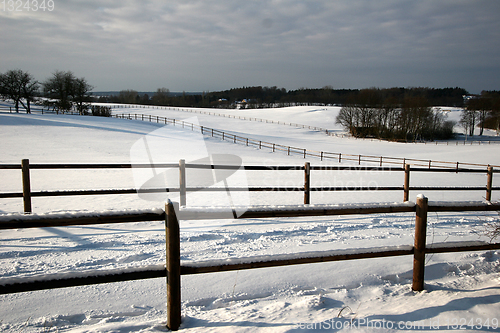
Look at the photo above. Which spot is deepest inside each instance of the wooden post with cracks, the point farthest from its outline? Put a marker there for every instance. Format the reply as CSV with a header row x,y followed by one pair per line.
x,y
307,183
489,183
173,267
419,247
406,190
25,167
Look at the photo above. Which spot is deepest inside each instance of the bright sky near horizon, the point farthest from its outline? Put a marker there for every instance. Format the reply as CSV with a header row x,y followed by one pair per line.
x,y
214,45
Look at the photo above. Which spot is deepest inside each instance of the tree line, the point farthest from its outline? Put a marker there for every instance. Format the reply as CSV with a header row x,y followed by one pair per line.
x,y
265,97
411,117
482,111
63,91
371,113
393,113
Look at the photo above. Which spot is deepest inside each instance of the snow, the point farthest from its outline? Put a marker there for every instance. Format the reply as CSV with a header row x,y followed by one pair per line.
x,y
75,214
79,275
300,255
449,244
461,288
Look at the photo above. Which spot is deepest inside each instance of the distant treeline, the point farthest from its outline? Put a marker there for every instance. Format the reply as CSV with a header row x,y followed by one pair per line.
x,y
410,117
482,111
263,97
372,114
393,113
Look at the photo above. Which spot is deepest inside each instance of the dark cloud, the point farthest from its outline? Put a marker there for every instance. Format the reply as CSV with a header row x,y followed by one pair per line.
x,y
210,45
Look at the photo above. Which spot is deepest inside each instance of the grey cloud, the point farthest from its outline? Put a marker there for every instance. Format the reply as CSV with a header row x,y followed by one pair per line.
x,y
210,45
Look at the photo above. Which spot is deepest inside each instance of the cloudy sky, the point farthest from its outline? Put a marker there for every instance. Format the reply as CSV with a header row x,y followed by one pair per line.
x,y
209,45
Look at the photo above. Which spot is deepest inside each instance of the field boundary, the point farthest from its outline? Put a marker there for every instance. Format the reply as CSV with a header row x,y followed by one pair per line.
x,y
174,268
290,150
27,194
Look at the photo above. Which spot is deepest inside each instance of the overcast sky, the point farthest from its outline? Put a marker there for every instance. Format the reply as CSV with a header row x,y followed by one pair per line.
x,y
209,45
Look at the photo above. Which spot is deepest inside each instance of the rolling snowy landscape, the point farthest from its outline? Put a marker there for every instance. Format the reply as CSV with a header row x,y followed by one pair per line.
x,y
462,290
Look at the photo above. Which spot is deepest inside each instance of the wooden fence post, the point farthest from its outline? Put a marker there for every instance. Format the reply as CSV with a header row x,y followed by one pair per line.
x,y
407,183
173,267
182,182
419,248
25,167
307,183
489,183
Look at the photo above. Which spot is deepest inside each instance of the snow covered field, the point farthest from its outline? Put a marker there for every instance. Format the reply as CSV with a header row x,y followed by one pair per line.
x,y
462,289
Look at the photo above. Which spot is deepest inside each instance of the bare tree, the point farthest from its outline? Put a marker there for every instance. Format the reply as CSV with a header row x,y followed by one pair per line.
x,y
68,90
468,121
347,117
29,89
129,96
492,229
417,116
161,96
360,114
20,87
482,106
81,95
60,87
410,119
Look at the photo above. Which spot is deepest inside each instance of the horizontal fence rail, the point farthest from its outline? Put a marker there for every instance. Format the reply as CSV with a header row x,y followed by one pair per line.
x,y
37,109
174,268
322,155
314,128
27,194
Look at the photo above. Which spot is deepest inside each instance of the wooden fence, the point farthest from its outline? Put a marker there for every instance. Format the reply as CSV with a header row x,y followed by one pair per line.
x,y
314,128
174,268
35,109
27,194
290,150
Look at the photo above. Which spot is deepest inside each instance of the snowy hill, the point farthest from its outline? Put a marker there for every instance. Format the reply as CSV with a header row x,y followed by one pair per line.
x,y
461,288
